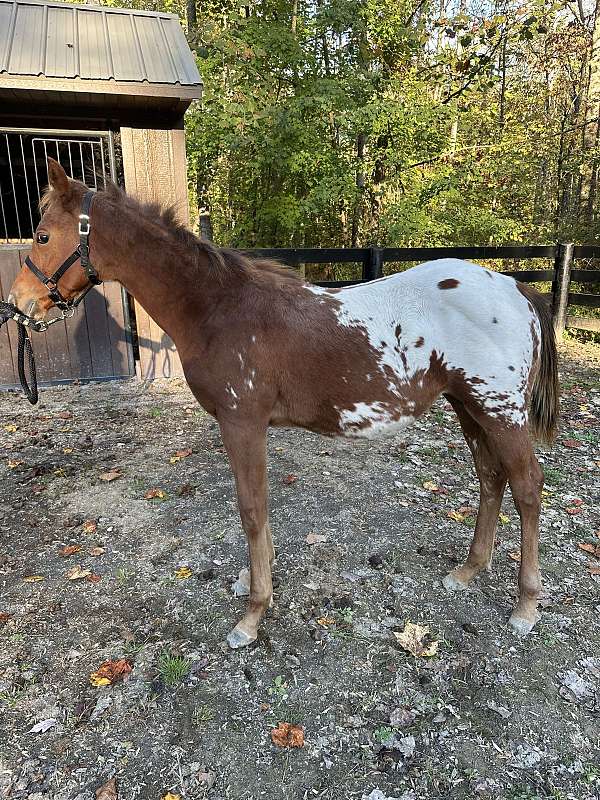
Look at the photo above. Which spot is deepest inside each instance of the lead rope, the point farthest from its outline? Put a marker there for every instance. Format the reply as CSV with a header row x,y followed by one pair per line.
x,y
8,311
30,388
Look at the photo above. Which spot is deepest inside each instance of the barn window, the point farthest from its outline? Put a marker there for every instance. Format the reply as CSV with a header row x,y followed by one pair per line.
x,y
24,173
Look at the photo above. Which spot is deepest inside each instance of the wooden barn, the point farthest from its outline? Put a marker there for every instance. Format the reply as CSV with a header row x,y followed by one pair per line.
x,y
104,91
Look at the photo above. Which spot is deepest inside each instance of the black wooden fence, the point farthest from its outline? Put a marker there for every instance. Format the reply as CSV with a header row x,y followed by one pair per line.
x,y
562,276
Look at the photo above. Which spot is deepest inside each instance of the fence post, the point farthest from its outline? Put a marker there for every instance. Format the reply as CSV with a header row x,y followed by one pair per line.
x,y
373,264
560,291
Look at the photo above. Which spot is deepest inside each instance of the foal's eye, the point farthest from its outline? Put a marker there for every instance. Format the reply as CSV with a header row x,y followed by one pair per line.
x,y
42,238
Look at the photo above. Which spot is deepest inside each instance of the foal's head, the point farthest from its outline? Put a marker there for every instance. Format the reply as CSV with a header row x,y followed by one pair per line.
x,y
54,239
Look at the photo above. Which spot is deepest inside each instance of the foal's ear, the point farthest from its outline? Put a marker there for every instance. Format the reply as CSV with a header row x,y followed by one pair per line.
x,y
59,182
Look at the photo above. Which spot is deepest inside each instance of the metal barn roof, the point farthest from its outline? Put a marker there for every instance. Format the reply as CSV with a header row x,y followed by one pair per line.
x,y
60,46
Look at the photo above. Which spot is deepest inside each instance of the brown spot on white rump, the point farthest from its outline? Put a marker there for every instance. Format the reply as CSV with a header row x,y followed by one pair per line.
x,y
448,283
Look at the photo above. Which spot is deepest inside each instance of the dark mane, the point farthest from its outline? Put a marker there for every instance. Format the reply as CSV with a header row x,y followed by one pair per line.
x,y
222,262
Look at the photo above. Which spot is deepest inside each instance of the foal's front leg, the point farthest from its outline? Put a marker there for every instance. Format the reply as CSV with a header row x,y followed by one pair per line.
x,y
247,450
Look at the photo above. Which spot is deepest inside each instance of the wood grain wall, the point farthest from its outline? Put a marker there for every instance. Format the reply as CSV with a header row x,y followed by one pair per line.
x,y
155,170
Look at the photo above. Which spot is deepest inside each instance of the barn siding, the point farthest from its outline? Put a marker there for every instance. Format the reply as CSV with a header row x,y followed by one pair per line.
x,y
155,171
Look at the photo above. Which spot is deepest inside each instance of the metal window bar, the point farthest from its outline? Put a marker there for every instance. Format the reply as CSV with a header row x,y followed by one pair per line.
x,y
84,155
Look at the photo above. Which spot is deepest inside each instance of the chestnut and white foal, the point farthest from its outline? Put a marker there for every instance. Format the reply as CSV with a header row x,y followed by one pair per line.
x,y
260,347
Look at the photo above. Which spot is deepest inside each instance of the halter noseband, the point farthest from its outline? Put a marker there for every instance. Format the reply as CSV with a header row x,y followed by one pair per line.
x,y
82,254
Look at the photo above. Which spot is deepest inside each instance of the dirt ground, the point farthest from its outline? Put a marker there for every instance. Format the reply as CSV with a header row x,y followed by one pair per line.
x,y
489,716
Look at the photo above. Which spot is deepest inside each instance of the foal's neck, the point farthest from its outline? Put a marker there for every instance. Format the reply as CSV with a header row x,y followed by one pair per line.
x,y
154,266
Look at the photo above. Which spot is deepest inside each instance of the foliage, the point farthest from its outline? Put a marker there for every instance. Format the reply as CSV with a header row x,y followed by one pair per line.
x,y
398,122
346,122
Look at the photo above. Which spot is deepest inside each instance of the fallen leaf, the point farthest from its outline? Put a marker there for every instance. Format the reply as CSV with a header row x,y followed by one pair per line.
x,y
456,516
111,475
69,550
107,791
183,572
593,570
573,510
504,519
430,486
171,796
78,573
93,578
590,548
572,443
289,479
415,639
13,463
90,526
110,672
179,455
155,494
97,551
42,727
67,450
325,621
288,735
4,617
10,428
515,555
64,415
316,538
185,490
33,578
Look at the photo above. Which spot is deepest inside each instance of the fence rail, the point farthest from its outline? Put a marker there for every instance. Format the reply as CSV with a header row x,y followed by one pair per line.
x,y
561,276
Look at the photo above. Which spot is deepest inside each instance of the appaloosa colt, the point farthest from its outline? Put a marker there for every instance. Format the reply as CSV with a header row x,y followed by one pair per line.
x,y
260,347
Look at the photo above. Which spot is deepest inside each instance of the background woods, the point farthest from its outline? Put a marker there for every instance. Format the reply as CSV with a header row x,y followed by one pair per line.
x,y
398,121
404,122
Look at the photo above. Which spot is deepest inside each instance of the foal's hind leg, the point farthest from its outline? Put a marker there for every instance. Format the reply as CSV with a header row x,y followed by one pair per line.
x,y
246,448
492,482
526,480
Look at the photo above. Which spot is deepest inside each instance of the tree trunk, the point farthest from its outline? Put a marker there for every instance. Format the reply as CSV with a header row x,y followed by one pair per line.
x,y
192,19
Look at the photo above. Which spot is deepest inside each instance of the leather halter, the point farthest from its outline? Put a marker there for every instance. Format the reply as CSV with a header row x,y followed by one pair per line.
x,y
82,254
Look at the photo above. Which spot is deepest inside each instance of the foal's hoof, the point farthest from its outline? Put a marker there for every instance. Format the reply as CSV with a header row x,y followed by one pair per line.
x,y
522,626
453,584
238,638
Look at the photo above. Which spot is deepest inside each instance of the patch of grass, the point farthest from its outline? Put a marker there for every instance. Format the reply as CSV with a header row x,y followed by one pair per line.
x,y
202,714
131,649
122,575
382,734
522,794
279,690
172,669
11,697
289,712
586,436
346,615
553,475
591,774
431,454
139,484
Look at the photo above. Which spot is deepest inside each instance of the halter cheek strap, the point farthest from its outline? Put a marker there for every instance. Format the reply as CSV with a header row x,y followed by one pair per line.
x,y
81,254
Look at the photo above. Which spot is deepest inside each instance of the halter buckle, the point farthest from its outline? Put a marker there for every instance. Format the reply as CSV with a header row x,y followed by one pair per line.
x,y
84,225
